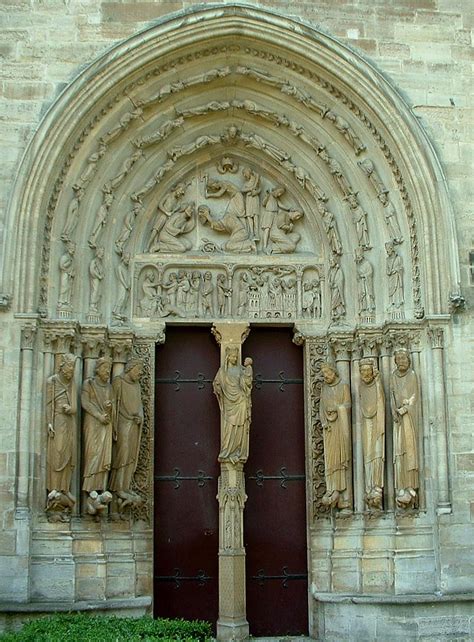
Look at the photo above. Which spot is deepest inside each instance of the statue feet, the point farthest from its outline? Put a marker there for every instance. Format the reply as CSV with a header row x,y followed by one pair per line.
x,y
127,499
374,498
330,498
59,505
406,498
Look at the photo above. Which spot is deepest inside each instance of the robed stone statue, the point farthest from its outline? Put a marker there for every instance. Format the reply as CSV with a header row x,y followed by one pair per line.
x,y
127,431
404,398
232,387
372,410
335,413
97,401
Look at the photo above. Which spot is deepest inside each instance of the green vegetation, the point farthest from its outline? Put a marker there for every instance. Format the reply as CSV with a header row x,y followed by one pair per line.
x,y
79,627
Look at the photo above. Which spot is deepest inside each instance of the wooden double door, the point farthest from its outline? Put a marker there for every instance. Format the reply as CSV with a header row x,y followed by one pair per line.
x,y
187,434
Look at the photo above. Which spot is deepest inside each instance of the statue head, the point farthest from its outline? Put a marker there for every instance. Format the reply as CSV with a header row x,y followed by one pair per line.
x,y
133,368
232,356
368,370
402,360
389,248
329,372
103,367
66,366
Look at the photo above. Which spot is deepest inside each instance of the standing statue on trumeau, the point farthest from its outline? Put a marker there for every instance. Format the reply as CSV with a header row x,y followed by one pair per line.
x,y
61,416
232,387
98,406
404,398
127,432
372,409
335,415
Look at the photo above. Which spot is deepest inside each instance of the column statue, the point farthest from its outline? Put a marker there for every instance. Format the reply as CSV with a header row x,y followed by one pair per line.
x,y
335,413
127,432
404,398
372,409
232,387
97,401
61,415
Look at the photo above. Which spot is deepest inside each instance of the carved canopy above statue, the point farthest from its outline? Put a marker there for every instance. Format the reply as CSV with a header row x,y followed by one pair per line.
x,y
224,154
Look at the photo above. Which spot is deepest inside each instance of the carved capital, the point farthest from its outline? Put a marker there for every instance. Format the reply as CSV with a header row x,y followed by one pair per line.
x,y
369,343
121,345
230,333
93,340
436,335
28,336
342,347
58,336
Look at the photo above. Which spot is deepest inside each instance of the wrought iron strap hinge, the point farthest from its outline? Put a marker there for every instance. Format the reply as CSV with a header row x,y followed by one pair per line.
x,y
282,380
177,478
177,380
201,578
283,477
285,576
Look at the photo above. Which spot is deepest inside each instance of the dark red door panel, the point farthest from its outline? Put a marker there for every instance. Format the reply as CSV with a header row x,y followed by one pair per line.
x,y
187,434
275,513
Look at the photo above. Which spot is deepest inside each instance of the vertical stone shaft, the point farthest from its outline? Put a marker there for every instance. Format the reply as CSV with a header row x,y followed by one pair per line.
x,y
232,622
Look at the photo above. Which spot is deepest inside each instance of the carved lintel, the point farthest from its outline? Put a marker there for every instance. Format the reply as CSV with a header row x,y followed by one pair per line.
x,y
436,335
28,336
5,302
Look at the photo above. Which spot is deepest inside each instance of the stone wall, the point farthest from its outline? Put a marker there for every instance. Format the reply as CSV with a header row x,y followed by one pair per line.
x,y
424,47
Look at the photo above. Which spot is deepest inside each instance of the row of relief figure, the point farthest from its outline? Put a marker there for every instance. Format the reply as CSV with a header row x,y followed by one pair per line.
x,y
256,293
335,415
112,419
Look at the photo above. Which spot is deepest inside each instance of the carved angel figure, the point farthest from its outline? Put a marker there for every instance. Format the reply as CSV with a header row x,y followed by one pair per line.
x,y
404,400
232,387
372,410
61,415
335,415
97,401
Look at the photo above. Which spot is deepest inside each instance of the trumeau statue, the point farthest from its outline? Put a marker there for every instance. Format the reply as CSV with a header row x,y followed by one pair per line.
x,y
97,401
61,416
335,414
232,387
127,432
372,410
404,401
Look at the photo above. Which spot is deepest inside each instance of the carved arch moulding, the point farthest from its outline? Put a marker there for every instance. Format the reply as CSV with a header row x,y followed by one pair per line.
x,y
189,173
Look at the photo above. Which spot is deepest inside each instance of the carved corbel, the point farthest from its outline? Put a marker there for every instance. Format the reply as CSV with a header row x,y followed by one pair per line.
x,y
28,336
5,302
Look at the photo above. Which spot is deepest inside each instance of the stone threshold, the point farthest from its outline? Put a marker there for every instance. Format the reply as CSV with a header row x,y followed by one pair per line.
x,y
62,607
419,598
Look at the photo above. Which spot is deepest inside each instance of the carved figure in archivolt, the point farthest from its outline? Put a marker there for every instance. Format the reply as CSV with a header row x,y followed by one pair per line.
x,y
346,130
405,402
72,216
97,401
123,287
212,106
101,218
61,415
90,169
161,134
166,207
251,189
365,284
257,142
127,432
121,126
127,227
330,226
335,170
360,220
368,167
232,387
96,276
181,222
67,275
395,277
336,287
335,413
189,148
239,240
372,410
391,218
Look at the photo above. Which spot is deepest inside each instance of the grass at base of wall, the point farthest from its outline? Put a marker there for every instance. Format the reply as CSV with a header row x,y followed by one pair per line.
x,y
79,627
